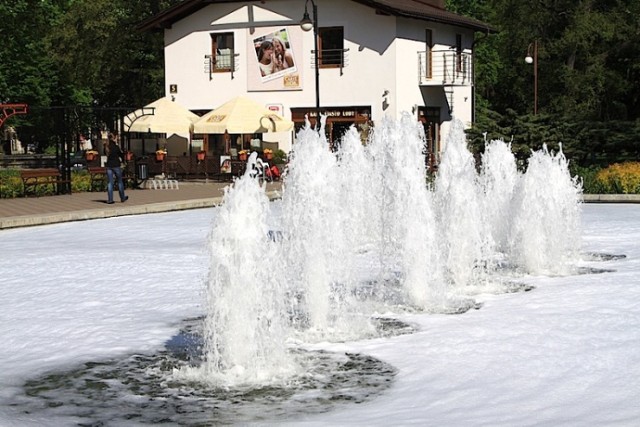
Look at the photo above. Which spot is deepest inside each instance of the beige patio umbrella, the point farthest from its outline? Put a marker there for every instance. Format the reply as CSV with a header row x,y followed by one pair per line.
x,y
168,117
240,116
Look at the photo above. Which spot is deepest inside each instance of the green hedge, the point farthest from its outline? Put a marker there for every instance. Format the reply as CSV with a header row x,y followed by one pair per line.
x,y
11,184
618,178
80,181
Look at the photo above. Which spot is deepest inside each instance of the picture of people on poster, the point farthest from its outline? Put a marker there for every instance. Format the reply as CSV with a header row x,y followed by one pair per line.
x,y
266,58
283,56
274,54
225,164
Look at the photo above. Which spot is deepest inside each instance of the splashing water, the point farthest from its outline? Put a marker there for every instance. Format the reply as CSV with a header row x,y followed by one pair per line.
x,y
546,230
405,203
245,330
466,244
361,231
319,262
498,179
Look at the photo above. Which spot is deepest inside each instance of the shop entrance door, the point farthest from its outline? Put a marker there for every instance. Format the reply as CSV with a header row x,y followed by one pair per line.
x,y
338,129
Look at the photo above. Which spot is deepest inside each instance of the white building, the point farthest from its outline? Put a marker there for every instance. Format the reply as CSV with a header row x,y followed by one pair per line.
x,y
376,58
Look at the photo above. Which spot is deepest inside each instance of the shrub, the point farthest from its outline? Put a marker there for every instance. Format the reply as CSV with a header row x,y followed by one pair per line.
x,y
10,183
80,181
279,157
588,176
620,178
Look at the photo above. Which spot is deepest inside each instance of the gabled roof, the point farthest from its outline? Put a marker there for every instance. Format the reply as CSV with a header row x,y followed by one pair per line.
x,y
425,11
416,9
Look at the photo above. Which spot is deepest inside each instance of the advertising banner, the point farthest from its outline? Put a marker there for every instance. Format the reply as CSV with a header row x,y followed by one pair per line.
x,y
275,65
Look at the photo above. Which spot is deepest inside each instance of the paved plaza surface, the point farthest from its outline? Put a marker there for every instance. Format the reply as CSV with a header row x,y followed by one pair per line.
x,y
29,211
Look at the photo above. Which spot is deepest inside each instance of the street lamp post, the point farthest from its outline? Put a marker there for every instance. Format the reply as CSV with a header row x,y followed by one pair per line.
x,y
534,60
306,24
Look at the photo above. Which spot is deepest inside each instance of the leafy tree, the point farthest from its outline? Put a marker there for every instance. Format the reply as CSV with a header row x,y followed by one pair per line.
x,y
27,63
87,52
77,52
106,61
588,76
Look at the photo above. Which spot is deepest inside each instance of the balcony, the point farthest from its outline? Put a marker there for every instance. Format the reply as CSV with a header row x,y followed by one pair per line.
x,y
445,68
331,58
225,61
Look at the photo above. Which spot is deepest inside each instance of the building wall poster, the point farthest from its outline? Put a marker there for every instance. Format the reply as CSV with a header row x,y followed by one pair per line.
x,y
275,64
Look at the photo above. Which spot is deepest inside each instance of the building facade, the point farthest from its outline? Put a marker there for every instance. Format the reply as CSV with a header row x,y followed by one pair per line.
x,y
374,59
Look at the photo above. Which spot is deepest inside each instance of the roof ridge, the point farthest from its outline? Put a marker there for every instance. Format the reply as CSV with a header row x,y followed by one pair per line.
x,y
416,9
426,3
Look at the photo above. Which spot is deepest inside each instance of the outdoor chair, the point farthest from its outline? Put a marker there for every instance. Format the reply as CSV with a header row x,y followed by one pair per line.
x,y
262,170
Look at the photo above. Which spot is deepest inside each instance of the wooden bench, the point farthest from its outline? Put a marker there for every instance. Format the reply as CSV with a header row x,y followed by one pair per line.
x,y
99,176
32,178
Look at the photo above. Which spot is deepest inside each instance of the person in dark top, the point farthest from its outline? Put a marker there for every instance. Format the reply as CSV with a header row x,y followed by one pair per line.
x,y
115,157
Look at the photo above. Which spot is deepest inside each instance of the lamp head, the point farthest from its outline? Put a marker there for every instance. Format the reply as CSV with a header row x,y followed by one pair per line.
x,y
306,24
528,59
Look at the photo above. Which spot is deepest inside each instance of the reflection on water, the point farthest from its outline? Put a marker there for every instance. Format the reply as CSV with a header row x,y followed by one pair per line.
x,y
598,256
141,388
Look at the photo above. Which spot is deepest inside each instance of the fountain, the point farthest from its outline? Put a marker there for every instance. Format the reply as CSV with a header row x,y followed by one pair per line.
x,y
546,216
244,344
409,246
361,232
498,178
316,255
359,236
466,246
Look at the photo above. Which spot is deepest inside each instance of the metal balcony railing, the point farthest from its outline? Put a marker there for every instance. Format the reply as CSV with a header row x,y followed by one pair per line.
x,y
224,61
331,58
445,67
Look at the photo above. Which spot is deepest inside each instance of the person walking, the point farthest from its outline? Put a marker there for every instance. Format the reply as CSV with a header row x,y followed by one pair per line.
x,y
115,157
